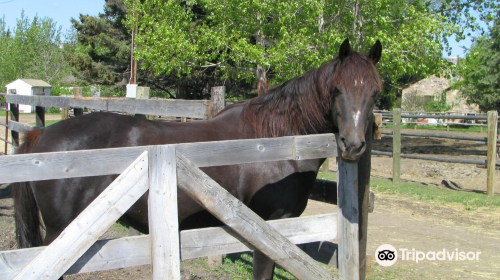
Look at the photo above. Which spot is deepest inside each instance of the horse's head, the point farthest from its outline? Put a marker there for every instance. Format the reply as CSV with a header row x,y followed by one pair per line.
x,y
356,84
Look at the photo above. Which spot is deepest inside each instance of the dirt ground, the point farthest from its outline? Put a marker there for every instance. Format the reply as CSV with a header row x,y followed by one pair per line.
x,y
397,221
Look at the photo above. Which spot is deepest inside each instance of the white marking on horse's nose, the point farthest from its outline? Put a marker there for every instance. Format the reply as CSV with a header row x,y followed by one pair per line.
x,y
355,116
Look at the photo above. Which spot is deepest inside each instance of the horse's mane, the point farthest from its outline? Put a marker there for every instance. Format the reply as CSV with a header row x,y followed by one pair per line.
x,y
302,105
30,139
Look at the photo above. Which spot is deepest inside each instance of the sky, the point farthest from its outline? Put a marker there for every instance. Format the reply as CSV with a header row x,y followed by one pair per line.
x,y
62,11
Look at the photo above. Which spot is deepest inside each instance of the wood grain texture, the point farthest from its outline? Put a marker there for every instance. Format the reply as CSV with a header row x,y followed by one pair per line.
x,y
160,107
45,166
246,223
492,152
377,131
80,234
197,243
20,127
218,97
162,207
396,146
348,220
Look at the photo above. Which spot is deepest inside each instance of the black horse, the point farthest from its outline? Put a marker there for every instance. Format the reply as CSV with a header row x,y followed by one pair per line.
x,y
337,97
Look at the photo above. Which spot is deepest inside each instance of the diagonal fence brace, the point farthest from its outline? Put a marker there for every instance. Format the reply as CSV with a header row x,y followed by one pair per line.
x,y
245,222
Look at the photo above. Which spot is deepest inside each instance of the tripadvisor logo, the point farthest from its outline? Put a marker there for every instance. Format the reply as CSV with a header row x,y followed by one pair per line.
x,y
387,255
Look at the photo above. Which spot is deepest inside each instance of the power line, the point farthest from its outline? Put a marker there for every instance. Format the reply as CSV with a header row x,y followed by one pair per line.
x,y
7,1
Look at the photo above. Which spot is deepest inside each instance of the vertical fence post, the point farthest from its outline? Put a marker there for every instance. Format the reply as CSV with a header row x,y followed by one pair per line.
x,y
64,113
143,93
162,207
348,219
77,93
396,146
14,116
492,151
6,127
218,97
40,116
377,132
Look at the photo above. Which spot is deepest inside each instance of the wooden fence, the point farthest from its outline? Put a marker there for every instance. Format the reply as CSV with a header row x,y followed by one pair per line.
x,y
5,138
181,162
140,169
491,141
199,109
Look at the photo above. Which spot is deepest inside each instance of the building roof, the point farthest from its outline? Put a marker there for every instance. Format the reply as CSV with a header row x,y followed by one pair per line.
x,y
34,83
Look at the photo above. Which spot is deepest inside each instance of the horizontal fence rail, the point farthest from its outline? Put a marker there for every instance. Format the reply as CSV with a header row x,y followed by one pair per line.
x,y
240,151
440,135
430,158
161,107
59,165
491,141
440,116
197,243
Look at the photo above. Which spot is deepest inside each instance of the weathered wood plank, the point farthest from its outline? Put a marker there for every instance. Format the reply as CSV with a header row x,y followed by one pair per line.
x,y
20,127
492,152
348,220
160,107
59,165
45,166
37,100
246,223
94,104
14,117
177,108
396,146
320,147
218,97
197,243
40,116
377,132
162,207
80,234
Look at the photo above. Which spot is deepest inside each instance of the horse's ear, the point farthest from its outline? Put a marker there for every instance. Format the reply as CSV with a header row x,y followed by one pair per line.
x,y
345,49
376,52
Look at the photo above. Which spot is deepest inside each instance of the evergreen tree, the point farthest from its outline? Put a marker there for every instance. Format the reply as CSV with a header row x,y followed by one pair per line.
x,y
101,53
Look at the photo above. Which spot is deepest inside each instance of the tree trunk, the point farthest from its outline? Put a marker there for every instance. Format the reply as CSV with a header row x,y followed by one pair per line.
x,y
357,23
262,85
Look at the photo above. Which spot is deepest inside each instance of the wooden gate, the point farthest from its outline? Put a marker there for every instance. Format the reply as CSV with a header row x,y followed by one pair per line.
x,y
162,169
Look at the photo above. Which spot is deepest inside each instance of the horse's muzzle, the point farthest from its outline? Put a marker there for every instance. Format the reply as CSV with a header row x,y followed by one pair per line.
x,y
351,150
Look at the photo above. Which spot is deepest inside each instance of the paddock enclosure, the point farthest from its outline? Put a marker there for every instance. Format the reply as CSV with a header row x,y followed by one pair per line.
x,y
78,249
491,141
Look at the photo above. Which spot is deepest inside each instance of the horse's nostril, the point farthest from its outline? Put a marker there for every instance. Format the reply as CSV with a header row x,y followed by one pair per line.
x,y
362,145
343,141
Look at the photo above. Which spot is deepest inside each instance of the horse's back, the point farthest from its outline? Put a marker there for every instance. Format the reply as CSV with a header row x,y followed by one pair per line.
x,y
95,131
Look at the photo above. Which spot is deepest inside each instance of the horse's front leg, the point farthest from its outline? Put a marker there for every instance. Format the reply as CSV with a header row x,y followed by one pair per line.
x,y
263,267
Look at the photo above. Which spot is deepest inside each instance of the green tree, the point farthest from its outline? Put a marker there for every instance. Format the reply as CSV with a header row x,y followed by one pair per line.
x,y
248,40
101,46
479,72
32,50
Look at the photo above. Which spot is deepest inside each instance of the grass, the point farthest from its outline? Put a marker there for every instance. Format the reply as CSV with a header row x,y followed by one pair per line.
x,y
415,191
394,272
234,266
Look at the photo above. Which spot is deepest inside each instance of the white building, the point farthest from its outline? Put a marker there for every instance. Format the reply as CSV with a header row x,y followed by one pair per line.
x,y
28,87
